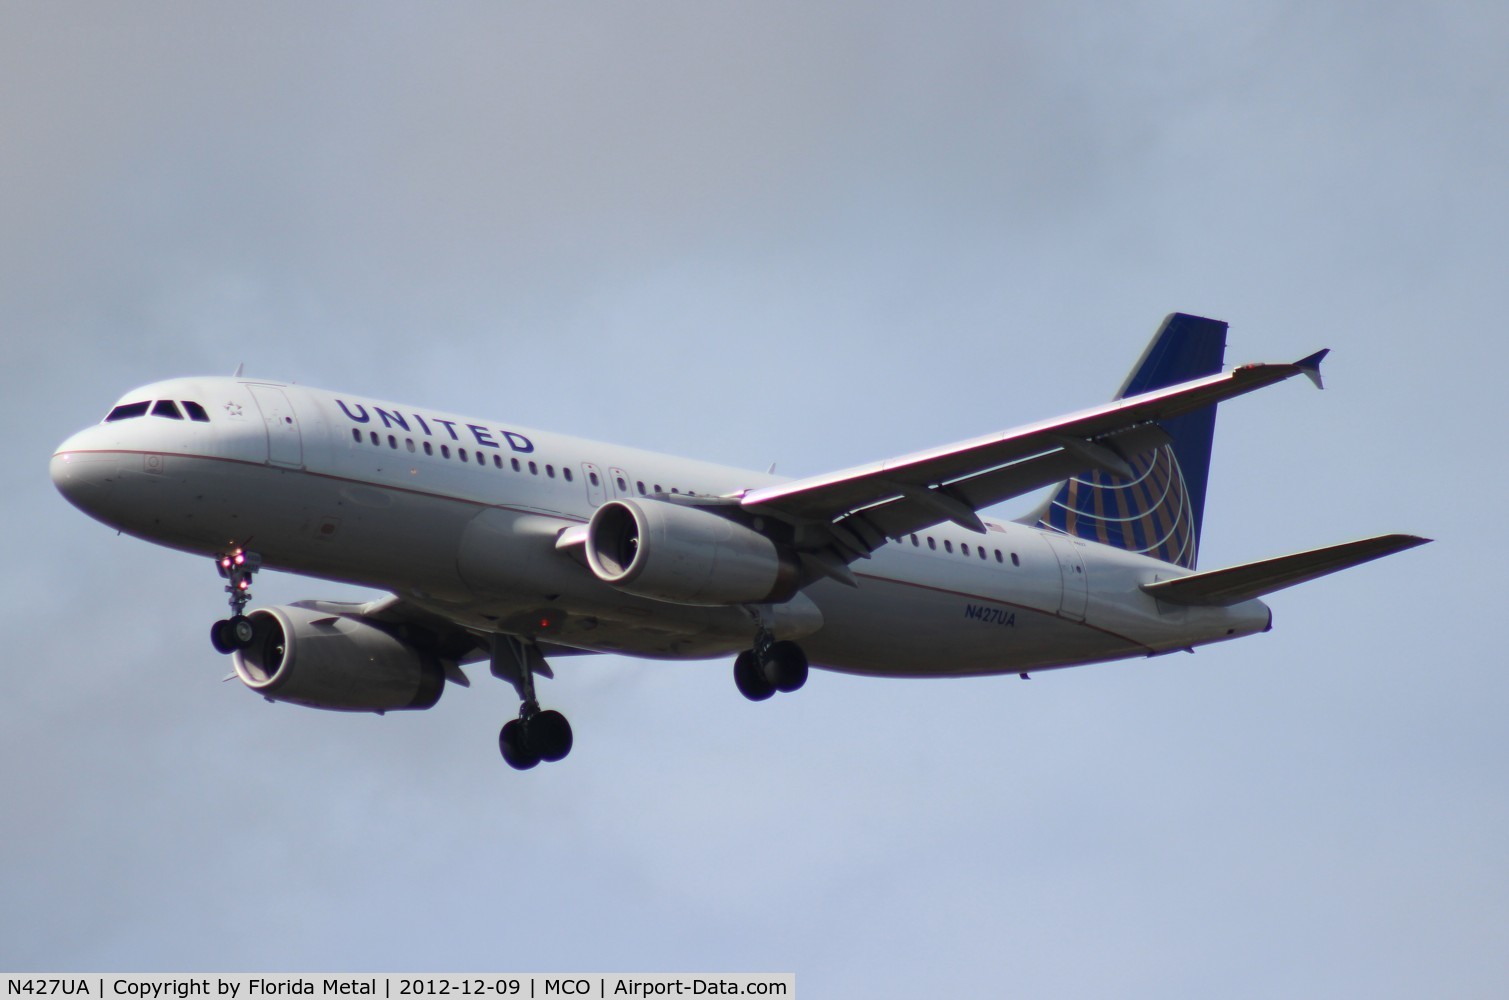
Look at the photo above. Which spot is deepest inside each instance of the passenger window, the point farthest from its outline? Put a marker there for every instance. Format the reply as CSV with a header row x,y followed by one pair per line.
x,y
166,408
392,442
375,439
550,471
567,473
931,543
409,443
982,552
445,451
515,463
534,470
481,458
964,548
195,411
356,435
658,489
497,461
461,454
623,487
1014,560
914,541
429,449
127,411
998,556
948,545
640,484
591,475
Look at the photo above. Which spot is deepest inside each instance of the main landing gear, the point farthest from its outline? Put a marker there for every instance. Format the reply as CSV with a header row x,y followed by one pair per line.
x,y
769,667
536,735
238,568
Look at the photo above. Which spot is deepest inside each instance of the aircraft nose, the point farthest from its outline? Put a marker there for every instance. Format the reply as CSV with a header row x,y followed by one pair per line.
x,y
84,477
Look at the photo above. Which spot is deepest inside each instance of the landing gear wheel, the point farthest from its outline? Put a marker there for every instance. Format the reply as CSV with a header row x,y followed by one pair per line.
x,y
785,666
240,631
750,679
221,638
549,735
229,635
516,751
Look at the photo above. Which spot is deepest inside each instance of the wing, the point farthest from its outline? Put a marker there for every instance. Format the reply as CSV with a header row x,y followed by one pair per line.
x,y
851,513
455,644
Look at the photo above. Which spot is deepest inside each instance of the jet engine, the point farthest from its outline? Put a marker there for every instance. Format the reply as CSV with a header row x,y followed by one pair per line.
x,y
687,555
309,657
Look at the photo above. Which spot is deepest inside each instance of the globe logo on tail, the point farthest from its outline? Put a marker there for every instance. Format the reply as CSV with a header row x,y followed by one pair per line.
x,y
1150,513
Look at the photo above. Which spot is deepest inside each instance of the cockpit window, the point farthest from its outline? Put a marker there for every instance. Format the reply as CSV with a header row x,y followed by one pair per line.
x,y
127,411
195,411
166,408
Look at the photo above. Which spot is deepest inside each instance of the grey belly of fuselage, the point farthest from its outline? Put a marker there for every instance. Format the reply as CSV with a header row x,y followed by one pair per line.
x,y
495,568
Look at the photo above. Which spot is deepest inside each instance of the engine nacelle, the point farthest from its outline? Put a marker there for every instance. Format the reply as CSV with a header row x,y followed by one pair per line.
x,y
686,555
329,661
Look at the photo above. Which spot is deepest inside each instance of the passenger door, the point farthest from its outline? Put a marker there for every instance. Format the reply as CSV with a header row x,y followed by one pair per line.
x,y
285,445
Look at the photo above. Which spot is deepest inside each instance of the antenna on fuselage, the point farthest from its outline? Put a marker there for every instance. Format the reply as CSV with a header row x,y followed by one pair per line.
x,y
240,367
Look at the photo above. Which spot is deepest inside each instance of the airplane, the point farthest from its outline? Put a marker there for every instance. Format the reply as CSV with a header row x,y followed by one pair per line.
x,y
520,547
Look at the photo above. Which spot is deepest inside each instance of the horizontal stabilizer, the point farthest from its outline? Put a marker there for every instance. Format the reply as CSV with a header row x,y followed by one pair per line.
x,y
1222,587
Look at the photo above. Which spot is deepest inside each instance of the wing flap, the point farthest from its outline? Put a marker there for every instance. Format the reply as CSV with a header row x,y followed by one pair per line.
x,y
1223,587
902,515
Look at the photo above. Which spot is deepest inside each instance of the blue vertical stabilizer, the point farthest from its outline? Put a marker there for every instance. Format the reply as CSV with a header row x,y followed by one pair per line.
x,y
1160,510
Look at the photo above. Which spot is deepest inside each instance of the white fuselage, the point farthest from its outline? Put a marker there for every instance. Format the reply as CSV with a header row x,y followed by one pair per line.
x,y
462,517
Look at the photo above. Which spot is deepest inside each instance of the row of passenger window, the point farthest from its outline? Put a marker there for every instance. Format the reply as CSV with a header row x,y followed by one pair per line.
x,y
477,455
161,408
623,487
964,549
461,454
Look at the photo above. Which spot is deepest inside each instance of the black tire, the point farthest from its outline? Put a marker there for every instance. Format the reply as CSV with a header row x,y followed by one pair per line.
x,y
511,744
240,632
221,638
785,666
549,735
750,679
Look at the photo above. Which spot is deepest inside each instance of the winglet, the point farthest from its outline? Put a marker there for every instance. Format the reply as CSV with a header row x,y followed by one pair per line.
x,y
1311,366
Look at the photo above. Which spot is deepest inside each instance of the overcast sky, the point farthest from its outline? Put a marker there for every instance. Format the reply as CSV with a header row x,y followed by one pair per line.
x,y
816,234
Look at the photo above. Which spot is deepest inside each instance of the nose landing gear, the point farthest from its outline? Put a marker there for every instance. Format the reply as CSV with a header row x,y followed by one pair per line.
x,y
237,568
